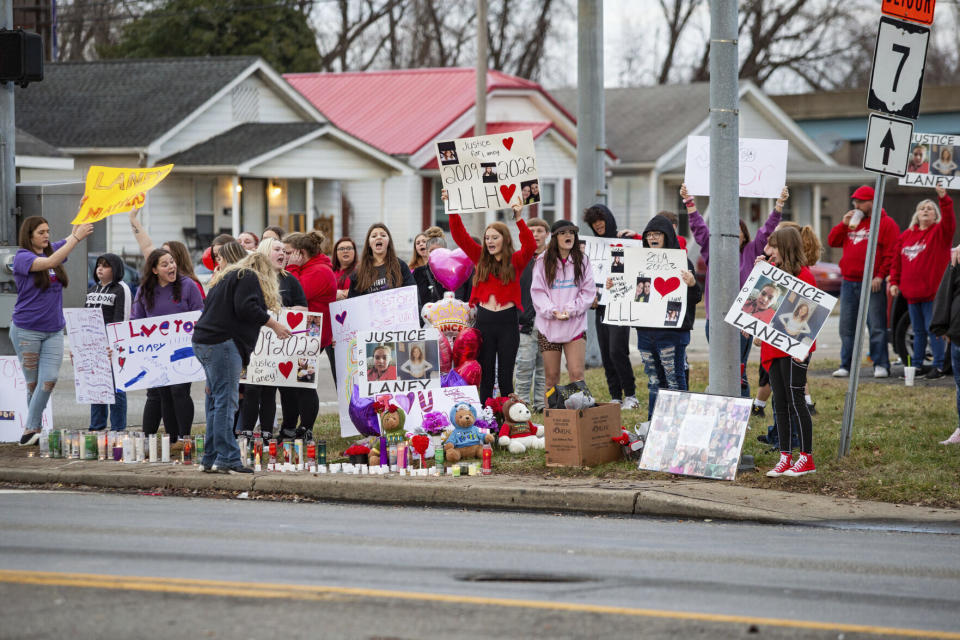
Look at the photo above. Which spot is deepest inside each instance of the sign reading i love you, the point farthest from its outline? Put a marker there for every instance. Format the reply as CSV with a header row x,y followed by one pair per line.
x,y
398,361
646,289
488,172
154,352
291,362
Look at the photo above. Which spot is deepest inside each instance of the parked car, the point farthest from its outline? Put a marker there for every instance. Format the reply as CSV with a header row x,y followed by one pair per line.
x,y
130,275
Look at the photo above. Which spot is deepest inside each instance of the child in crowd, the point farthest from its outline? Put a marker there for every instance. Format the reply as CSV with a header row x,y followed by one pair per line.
x,y
112,296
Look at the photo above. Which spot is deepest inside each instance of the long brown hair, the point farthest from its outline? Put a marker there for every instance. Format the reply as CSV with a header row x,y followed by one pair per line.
x,y
181,256
417,260
812,249
551,258
788,243
311,242
149,282
41,278
488,264
346,270
365,274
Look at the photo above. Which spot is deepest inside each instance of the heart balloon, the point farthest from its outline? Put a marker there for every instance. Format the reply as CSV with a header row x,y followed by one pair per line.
x,y
452,379
450,268
446,353
363,414
470,372
208,260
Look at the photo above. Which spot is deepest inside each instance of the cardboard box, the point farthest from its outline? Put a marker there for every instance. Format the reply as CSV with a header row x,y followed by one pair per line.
x,y
582,438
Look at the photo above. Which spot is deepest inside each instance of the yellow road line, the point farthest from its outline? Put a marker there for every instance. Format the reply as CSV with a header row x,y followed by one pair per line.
x,y
225,588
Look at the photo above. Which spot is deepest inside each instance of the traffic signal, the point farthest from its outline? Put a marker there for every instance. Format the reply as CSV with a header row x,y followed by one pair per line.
x,y
21,57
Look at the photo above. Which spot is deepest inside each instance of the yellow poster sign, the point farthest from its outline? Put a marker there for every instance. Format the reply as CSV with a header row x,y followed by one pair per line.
x,y
113,190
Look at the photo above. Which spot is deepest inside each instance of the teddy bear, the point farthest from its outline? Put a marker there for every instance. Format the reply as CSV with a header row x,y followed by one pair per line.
x,y
517,433
465,441
392,418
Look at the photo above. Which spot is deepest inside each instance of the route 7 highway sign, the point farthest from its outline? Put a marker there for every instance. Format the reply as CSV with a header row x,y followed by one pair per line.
x,y
887,148
898,64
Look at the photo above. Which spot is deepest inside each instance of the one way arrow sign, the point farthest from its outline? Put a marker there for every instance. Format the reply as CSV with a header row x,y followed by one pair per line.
x,y
887,147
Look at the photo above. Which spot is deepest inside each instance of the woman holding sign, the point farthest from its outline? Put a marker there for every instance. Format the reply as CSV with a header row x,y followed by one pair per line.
x,y
563,291
496,294
241,294
36,328
788,375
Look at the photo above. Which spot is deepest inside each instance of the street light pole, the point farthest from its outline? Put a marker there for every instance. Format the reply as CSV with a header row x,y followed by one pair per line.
x,y
8,137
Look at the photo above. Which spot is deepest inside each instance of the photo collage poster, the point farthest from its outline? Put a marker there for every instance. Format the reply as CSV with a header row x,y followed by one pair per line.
x,y
781,310
598,251
287,363
398,361
934,161
696,434
646,289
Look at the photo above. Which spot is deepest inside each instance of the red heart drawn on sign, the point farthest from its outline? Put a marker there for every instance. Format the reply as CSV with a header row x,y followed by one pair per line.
x,y
285,368
120,361
508,142
293,319
664,287
145,331
507,191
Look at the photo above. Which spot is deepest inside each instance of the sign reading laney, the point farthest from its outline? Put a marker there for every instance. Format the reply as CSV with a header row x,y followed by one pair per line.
x,y
92,375
291,362
488,172
646,289
113,190
933,161
154,352
780,309
399,361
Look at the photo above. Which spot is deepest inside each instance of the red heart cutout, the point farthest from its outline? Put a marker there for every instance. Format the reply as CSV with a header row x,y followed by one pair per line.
x,y
293,319
121,361
285,368
507,191
508,142
664,287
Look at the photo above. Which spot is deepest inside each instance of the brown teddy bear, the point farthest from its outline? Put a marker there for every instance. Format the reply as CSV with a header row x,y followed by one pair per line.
x,y
517,432
465,441
392,419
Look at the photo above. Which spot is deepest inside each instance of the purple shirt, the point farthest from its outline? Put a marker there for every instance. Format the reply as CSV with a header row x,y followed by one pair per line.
x,y
36,309
163,302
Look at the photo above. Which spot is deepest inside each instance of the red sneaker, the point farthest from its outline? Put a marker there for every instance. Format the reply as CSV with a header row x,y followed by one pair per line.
x,y
782,467
802,466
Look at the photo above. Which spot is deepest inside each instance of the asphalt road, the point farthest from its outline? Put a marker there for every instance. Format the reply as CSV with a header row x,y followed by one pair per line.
x,y
207,568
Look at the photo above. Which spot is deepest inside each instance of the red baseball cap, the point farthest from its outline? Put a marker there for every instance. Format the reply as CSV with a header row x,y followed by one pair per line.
x,y
864,193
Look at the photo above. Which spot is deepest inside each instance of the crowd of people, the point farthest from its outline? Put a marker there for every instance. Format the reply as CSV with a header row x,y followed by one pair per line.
x,y
531,301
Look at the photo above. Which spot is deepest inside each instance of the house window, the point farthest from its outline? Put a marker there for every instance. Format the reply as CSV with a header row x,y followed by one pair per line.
x,y
203,199
547,209
297,205
439,213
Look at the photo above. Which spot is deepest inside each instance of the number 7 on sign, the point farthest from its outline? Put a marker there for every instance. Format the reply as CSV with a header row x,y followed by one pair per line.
x,y
898,66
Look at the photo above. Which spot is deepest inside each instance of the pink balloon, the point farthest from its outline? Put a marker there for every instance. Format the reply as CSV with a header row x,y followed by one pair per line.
x,y
450,268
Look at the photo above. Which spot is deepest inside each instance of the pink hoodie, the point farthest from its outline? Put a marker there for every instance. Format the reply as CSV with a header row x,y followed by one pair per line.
x,y
564,295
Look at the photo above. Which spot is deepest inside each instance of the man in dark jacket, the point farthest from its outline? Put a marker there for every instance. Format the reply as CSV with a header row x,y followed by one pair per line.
x,y
528,373
614,341
111,295
946,322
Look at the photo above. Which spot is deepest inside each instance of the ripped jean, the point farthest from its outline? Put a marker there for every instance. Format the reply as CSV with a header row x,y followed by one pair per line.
x,y
40,354
664,353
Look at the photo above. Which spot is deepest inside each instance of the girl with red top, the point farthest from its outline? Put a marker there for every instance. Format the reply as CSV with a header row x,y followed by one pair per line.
x,y
344,262
496,294
921,257
788,375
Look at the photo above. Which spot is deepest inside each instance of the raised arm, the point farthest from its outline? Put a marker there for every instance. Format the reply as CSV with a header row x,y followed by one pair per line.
x,y
701,232
755,247
55,259
141,235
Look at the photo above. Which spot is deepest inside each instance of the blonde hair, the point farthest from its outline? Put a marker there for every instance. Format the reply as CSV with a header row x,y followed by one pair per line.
x,y
262,269
913,220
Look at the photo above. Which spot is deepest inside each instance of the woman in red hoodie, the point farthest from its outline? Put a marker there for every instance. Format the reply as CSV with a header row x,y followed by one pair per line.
x,y
922,254
788,375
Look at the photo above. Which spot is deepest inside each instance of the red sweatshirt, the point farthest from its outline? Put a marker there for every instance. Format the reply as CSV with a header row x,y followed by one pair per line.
x,y
922,256
320,286
854,245
769,353
504,293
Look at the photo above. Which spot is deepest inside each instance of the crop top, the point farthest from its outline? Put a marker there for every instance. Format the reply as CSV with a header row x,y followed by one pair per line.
x,y
504,293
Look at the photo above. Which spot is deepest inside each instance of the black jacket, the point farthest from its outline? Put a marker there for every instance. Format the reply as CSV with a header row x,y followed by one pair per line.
x,y
291,292
946,306
529,315
611,224
381,283
694,293
234,309
114,299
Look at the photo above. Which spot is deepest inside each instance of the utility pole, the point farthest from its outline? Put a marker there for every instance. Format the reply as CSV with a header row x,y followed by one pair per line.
x,y
8,137
724,197
480,126
591,123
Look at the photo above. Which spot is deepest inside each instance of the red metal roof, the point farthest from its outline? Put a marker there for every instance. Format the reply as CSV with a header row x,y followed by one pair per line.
x,y
399,111
493,128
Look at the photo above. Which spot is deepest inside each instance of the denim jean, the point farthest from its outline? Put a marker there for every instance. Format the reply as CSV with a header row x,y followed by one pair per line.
x,y
529,371
117,410
221,364
746,344
40,354
663,352
955,360
920,315
876,323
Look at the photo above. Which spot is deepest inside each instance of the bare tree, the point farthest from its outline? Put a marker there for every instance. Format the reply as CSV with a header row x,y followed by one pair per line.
x,y
85,25
677,15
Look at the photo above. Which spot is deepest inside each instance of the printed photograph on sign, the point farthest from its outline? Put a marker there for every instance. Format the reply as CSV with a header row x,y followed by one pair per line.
x,y
781,310
399,361
490,172
696,435
763,167
644,287
934,161
598,250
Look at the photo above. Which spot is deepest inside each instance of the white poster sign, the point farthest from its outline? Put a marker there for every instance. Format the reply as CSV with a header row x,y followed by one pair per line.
x,y
92,373
934,160
781,310
646,288
763,167
695,434
154,352
598,250
287,363
398,361
387,310
13,402
488,172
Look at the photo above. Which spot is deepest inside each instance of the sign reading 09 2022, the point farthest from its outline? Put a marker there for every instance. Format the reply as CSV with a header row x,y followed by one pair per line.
x,y
898,65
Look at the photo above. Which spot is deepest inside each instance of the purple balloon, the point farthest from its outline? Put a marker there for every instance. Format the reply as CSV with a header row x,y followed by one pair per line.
x,y
363,415
452,379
